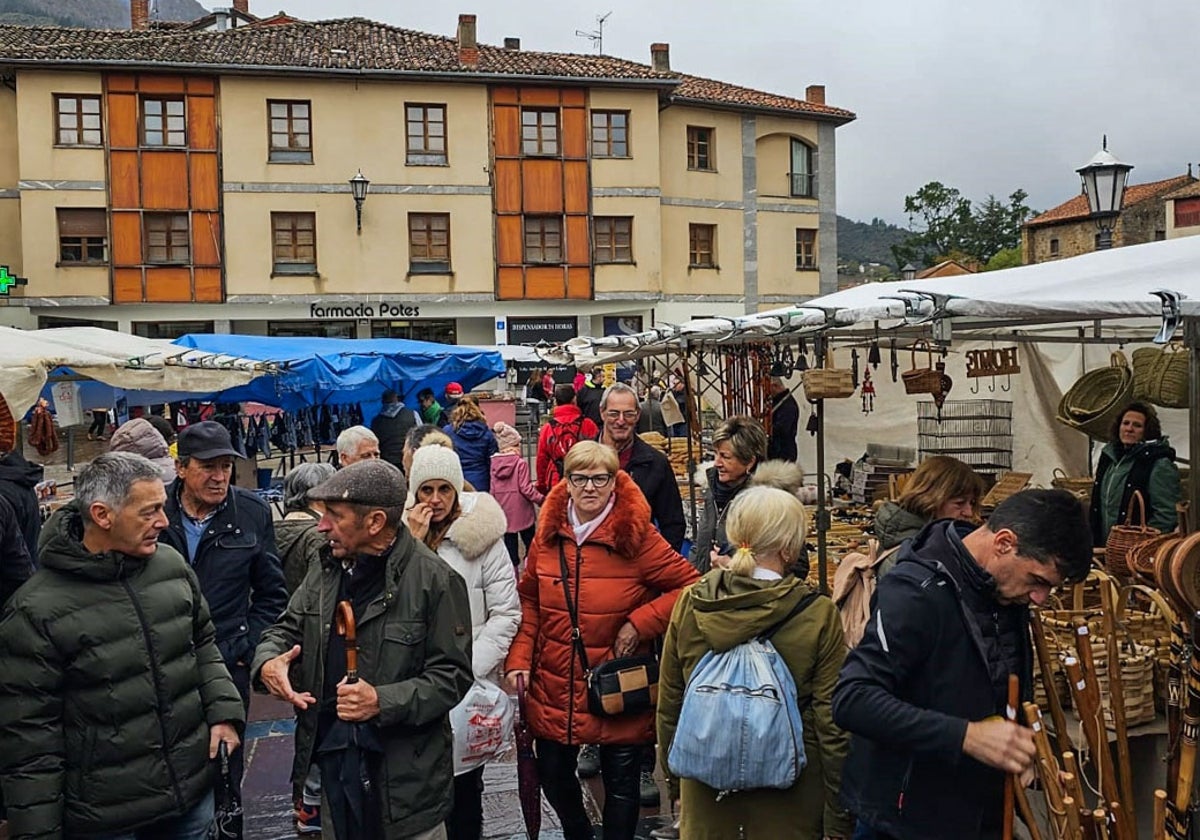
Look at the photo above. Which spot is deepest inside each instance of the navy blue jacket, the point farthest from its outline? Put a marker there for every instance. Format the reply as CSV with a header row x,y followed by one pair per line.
x,y
651,472
936,655
475,445
238,567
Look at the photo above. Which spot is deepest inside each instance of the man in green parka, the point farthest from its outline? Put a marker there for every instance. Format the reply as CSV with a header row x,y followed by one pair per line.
x,y
413,622
113,695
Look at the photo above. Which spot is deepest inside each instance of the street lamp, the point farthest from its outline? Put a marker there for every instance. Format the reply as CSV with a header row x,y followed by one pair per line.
x,y
1104,180
358,188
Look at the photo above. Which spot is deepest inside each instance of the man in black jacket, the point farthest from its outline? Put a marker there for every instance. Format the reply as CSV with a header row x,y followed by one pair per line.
x,y
785,422
225,534
18,478
924,693
392,425
16,567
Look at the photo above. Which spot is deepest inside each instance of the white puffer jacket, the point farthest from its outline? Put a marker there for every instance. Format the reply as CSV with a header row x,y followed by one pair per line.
x,y
474,547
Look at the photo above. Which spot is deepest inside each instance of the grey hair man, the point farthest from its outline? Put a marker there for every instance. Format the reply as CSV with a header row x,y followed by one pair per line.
x,y
112,623
357,443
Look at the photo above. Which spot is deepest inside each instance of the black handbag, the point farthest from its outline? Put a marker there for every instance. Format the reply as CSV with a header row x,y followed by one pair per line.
x,y
227,816
624,685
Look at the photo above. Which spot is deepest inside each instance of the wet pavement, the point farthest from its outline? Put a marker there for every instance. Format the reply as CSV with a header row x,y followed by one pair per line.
x,y
266,791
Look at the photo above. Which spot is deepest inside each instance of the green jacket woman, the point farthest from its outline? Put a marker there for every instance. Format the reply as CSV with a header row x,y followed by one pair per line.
x,y
1138,458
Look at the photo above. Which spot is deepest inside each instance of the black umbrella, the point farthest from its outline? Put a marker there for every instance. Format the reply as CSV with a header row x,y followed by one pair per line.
x,y
227,818
346,755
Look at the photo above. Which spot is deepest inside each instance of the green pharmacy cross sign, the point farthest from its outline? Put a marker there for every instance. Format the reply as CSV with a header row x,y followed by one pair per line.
x,y
7,281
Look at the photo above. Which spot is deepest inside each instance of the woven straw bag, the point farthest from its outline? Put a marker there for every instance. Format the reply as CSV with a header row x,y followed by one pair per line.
x,y
1123,538
924,380
1097,398
828,382
1160,375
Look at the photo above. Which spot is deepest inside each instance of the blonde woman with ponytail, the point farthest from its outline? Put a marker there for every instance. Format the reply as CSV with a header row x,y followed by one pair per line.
x,y
754,590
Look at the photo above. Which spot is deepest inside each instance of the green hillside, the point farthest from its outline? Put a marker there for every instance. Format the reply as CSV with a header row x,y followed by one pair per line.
x,y
868,242
94,14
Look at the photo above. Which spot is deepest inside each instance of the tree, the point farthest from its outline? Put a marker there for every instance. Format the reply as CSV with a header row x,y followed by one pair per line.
x,y
950,227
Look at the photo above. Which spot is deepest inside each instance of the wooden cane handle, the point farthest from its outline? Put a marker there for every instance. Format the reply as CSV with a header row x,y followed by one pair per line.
x,y
346,628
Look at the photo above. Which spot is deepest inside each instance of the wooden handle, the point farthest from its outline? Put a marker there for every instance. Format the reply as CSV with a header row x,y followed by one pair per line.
x,y
1086,696
1160,815
1048,769
1141,506
1010,781
1046,665
1074,826
346,628
1100,819
1123,816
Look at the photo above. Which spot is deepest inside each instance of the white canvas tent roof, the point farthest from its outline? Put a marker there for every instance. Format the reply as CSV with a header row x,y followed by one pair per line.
x,y
114,358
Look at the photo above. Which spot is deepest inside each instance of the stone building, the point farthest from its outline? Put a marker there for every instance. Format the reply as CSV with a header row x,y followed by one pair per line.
x,y
194,178
1068,229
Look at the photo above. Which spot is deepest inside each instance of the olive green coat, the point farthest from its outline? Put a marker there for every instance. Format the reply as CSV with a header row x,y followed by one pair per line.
x,y
110,680
414,647
721,611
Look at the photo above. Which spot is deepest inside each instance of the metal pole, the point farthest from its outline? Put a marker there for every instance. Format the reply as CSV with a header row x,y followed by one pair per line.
x,y
822,519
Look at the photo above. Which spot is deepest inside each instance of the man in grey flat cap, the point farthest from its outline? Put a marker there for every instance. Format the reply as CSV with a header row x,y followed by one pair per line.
x,y
413,620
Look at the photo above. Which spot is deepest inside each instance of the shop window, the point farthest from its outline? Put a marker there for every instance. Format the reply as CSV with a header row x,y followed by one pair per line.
x,y
82,236
425,130
539,131
294,243
700,148
702,243
171,330
543,239
312,329
290,129
429,243
167,241
77,120
806,249
613,239
163,121
437,330
610,134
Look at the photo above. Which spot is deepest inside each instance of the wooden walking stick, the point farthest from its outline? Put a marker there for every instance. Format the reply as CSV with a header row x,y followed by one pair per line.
x,y
1116,699
1045,663
1160,815
1100,818
1086,701
1011,781
1074,826
1049,770
1191,727
1035,833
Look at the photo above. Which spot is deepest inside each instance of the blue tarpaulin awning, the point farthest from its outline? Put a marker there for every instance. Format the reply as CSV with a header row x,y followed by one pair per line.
x,y
332,371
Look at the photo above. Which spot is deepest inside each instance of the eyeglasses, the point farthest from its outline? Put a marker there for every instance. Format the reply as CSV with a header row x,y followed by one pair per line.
x,y
597,481
627,416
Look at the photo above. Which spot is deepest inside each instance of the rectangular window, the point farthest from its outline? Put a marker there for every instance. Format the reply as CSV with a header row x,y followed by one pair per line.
x,y
700,148
610,134
171,330
429,243
543,239
1054,247
1187,212
806,249
82,236
163,122
539,131
803,178
425,128
290,130
294,243
167,240
702,246
77,120
613,240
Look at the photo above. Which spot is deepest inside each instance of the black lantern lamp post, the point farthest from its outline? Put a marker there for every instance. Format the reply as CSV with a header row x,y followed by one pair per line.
x,y
358,188
1104,180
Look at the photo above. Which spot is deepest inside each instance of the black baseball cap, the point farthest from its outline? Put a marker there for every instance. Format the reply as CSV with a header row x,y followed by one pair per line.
x,y
205,440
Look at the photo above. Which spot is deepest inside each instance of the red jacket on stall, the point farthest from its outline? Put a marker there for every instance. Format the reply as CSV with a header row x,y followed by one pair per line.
x,y
626,572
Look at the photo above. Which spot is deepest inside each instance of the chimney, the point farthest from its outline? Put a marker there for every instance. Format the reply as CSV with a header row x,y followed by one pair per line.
x,y
221,18
512,43
660,57
815,94
468,47
242,6
139,15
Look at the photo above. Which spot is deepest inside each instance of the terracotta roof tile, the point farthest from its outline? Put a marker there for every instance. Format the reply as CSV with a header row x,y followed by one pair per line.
x,y
357,44
1077,207
1192,190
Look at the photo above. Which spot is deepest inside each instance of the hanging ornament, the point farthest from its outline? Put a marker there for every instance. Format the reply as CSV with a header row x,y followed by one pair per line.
x,y
939,396
854,367
873,355
895,361
813,425
868,392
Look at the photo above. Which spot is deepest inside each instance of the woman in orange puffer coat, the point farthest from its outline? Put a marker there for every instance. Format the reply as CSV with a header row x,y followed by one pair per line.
x,y
626,578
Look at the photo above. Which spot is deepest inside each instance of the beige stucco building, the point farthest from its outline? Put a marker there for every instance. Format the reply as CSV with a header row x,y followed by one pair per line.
x,y
195,178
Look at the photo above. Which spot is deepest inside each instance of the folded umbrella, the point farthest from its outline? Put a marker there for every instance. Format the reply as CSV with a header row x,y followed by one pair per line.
x,y
529,787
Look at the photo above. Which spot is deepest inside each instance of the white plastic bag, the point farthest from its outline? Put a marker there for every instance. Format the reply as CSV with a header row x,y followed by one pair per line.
x,y
482,724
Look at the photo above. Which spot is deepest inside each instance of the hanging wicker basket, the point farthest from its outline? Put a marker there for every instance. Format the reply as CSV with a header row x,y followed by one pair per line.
x,y
924,380
1080,487
1160,375
1097,398
828,382
1128,536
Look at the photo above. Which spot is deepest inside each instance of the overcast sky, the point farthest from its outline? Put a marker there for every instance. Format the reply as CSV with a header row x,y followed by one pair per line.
x,y
983,96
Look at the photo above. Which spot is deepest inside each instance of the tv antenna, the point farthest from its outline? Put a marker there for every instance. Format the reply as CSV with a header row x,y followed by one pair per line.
x,y
597,36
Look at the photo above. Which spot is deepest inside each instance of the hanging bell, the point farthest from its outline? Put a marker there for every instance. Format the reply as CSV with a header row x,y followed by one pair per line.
x,y
813,425
802,362
873,355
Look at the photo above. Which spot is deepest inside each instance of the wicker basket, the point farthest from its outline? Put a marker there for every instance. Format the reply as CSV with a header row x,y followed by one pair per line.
x,y
828,382
1081,487
926,380
1137,681
1160,375
1123,538
1097,398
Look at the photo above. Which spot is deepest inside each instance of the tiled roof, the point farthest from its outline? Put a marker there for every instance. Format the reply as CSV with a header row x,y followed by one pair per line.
x,y
360,45
1077,207
1192,190
711,92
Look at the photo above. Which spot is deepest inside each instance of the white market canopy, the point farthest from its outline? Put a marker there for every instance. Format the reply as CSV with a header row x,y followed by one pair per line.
x,y
114,358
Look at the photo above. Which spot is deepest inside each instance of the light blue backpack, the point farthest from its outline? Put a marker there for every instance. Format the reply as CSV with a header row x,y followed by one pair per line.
x,y
739,727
